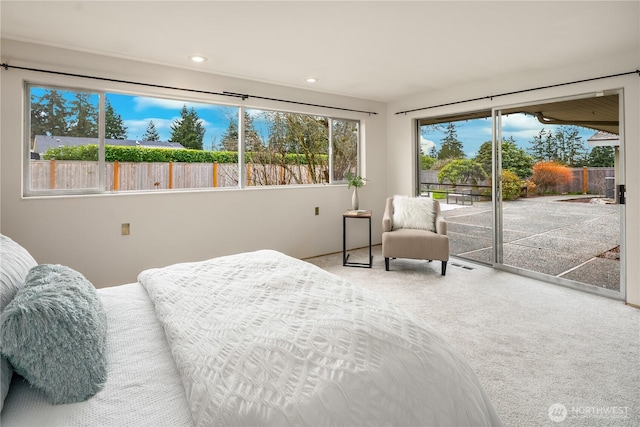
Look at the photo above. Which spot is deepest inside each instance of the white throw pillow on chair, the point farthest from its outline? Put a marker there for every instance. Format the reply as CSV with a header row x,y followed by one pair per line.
x,y
413,212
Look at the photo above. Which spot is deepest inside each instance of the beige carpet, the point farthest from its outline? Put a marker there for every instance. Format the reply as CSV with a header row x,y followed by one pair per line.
x,y
536,347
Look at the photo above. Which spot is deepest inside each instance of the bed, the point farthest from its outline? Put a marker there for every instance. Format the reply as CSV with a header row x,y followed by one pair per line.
x,y
257,338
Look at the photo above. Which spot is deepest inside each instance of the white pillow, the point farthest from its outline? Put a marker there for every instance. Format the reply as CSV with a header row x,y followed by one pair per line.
x,y
413,212
16,263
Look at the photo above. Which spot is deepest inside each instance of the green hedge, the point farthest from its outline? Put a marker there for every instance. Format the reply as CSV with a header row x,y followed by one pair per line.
x,y
150,155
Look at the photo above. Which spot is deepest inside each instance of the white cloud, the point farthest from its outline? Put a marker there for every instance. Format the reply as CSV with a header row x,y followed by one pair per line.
x,y
142,103
426,144
136,128
522,127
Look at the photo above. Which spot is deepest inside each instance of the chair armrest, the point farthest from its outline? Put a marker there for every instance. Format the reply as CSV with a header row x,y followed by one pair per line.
x,y
387,218
441,225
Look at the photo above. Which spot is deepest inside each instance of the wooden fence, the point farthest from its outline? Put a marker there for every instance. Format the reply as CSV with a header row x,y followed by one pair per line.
x,y
130,176
588,180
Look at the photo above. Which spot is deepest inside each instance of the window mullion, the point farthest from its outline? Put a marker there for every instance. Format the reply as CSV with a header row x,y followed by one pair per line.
x,y
331,123
102,164
242,169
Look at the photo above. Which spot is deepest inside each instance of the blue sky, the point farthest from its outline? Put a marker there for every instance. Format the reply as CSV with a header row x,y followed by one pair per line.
x,y
137,111
473,133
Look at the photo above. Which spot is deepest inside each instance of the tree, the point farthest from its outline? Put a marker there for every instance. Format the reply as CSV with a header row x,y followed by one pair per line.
x,y
601,157
462,171
84,114
433,153
451,147
571,149
426,162
544,148
564,146
151,134
514,158
49,114
188,129
230,137
114,127
229,140
344,135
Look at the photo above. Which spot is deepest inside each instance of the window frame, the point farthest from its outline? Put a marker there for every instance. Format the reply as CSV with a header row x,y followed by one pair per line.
x,y
102,95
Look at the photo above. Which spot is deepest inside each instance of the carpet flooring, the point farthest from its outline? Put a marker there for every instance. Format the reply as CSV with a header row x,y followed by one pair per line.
x,y
546,355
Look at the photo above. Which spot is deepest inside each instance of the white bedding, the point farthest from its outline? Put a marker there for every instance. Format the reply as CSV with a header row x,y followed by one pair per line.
x,y
143,387
265,339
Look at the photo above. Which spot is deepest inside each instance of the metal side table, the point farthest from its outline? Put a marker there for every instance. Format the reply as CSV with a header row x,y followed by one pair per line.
x,y
355,214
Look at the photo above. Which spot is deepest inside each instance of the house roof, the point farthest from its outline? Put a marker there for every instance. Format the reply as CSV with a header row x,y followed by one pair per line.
x,y
604,139
43,142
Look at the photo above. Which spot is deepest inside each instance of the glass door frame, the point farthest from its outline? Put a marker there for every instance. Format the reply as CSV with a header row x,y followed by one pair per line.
x,y
498,220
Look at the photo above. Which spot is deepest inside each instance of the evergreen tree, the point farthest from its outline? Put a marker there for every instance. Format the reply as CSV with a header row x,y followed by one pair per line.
x,y
252,140
601,157
544,148
230,137
451,147
49,114
151,134
84,111
565,146
433,152
188,129
229,140
571,149
114,127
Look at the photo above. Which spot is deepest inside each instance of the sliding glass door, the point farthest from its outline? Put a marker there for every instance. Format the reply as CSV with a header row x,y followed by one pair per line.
x,y
561,220
533,188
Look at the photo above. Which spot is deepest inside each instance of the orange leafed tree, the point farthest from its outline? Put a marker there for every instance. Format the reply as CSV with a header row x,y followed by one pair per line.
x,y
547,175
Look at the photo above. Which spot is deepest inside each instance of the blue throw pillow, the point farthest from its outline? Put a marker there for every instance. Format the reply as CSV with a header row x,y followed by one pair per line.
x,y
54,334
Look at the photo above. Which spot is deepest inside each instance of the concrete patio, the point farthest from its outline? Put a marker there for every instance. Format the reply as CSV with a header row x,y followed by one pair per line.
x,y
555,235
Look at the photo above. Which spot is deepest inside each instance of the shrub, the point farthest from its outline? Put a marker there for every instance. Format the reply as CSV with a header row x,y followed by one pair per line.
x,y
462,171
145,154
547,175
511,185
426,162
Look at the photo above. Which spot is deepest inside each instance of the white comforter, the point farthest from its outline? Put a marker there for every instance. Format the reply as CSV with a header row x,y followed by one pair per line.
x,y
265,339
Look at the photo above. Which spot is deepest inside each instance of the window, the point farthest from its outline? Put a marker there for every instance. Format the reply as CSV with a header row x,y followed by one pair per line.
x,y
63,140
85,141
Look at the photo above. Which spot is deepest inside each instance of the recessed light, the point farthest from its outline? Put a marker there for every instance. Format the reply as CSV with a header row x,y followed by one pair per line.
x,y
197,58
311,79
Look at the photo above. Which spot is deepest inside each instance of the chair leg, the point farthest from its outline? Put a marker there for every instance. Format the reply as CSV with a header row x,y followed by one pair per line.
x,y
386,263
444,267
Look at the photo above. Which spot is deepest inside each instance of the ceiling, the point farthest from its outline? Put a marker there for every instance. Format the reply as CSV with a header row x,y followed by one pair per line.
x,y
598,113
378,50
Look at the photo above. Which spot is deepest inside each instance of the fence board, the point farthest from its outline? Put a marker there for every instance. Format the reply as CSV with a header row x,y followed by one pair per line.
x,y
137,176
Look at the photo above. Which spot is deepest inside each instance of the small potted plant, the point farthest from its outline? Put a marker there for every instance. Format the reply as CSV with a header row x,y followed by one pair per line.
x,y
355,182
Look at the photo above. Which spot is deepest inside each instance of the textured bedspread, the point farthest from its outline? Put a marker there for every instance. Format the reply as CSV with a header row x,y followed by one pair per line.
x,y
264,339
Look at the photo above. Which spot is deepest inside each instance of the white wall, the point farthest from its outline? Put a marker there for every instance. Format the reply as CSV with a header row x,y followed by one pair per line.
x,y
401,136
167,227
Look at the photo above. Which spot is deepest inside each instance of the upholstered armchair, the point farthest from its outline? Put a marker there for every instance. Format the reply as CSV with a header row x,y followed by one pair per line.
x,y
413,227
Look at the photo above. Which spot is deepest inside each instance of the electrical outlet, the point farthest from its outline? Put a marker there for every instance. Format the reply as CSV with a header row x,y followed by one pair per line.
x,y
126,229
317,210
